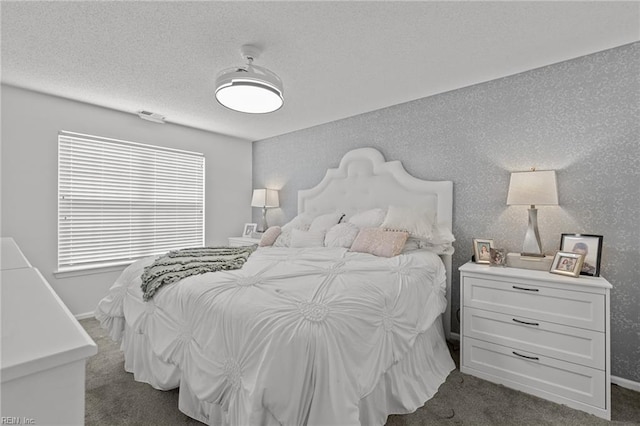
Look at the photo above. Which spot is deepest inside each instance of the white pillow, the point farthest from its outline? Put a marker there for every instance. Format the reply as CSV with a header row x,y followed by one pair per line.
x,y
438,249
412,244
306,238
284,239
418,244
418,222
323,222
368,219
441,235
302,221
341,235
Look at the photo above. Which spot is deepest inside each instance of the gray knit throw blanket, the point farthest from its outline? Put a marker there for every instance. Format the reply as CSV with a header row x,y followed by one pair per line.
x,y
179,264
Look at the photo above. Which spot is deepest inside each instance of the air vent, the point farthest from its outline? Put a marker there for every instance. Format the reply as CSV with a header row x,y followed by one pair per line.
x,y
151,116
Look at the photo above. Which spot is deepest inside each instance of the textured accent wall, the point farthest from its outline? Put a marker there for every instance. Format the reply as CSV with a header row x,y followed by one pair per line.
x,y
578,117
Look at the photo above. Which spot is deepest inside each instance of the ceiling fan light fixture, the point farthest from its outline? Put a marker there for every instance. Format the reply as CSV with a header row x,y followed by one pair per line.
x,y
250,89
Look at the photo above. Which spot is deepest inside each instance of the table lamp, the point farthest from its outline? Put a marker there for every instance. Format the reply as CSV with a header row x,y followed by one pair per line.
x,y
533,188
265,198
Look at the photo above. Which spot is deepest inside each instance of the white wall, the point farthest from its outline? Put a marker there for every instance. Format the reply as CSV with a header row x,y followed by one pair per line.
x,y
30,125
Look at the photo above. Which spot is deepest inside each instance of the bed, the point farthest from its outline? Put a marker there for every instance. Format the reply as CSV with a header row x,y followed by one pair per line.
x,y
302,335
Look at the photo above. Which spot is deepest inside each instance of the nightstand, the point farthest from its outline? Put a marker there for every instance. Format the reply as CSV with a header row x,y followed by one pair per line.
x,y
537,332
242,241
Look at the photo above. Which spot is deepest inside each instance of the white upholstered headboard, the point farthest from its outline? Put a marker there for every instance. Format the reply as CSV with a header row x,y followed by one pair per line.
x,y
364,180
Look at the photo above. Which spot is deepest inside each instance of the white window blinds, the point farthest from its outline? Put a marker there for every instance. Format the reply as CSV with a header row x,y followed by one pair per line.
x,y
119,201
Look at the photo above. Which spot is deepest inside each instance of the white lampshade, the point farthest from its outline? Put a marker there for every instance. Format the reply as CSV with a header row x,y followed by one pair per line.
x,y
533,188
265,198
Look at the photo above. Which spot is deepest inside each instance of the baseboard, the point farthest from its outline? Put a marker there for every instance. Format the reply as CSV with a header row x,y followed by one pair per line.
x,y
84,316
626,383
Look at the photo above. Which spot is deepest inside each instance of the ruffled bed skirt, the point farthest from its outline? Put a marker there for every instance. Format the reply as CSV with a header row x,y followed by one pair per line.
x,y
403,388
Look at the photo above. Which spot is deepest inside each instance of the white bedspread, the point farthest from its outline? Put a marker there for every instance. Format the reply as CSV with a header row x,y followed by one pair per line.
x,y
297,336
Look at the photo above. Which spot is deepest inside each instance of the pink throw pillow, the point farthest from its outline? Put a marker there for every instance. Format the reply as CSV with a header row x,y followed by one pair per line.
x,y
380,242
269,236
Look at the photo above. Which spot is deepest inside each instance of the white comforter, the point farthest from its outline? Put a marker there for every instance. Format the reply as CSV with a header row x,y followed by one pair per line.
x,y
297,336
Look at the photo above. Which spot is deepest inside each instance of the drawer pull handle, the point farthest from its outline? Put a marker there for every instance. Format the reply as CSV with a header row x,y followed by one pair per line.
x,y
535,358
524,322
527,289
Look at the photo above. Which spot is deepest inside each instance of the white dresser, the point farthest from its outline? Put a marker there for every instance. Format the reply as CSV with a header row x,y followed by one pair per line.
x,y
43,349
537,332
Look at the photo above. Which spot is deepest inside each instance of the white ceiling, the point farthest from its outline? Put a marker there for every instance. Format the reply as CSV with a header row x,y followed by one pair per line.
x,y
337,59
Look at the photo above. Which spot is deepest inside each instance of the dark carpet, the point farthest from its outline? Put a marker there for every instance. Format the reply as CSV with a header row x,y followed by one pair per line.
x,y
114,398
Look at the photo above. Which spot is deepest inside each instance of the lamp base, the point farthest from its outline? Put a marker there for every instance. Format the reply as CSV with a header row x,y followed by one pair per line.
x,y
539,263
532,245
262,226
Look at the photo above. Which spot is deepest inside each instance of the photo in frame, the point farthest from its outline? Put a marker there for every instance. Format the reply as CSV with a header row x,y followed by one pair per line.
x,y
588,245
249,228
567,263
498,257
482,250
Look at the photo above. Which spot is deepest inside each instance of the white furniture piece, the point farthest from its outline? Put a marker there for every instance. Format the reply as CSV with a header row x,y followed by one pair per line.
x,y
242,241
44,348
540,333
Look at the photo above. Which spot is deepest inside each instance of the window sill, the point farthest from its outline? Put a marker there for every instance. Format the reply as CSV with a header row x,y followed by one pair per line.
x,y
91,270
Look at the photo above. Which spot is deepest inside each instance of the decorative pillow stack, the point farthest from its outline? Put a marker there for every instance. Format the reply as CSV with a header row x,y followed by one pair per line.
x,y
418,222
424,232
439,243
301,222
341,235
399,229
304,231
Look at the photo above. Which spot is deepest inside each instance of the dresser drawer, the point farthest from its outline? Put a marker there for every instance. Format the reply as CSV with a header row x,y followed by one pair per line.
x,y
569,344
560,306
546,377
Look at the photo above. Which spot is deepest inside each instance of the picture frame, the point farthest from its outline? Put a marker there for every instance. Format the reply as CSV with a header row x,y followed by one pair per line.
x,y
482,250
249,229
567,263
588,245
498,257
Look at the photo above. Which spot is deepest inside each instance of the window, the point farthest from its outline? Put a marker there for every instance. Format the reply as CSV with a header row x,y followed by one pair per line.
x,y
119,201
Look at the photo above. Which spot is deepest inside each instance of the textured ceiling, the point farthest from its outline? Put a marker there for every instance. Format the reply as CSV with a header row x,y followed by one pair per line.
x,y
337,59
